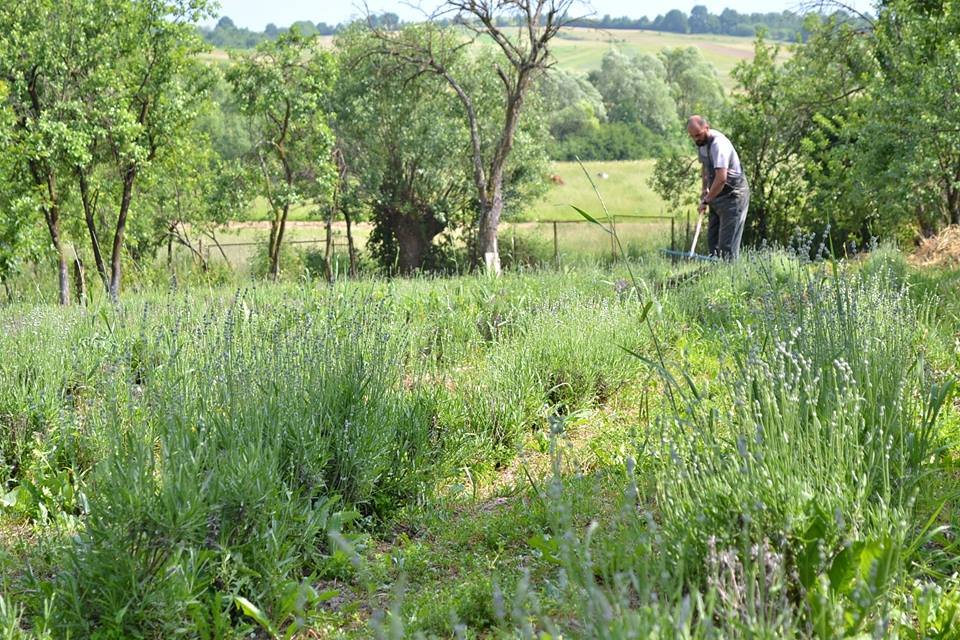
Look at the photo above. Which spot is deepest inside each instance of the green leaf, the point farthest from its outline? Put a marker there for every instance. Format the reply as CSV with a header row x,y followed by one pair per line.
x,y
252,611
843,569
546,545
9,500
589,218
646,310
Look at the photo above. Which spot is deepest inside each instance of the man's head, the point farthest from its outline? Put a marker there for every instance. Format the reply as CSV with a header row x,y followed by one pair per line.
x,y
699,130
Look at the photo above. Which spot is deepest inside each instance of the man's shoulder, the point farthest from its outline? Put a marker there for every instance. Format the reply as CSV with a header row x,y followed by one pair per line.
x,y
720,137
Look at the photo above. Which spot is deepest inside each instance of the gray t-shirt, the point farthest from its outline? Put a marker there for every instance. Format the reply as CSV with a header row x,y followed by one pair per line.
x,y
723,154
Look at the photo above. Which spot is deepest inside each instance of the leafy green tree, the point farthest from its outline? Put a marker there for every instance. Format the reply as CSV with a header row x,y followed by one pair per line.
x,y
909,138
284,88
693,81
405,144
524,56
402,140
635,90
154,74
573,105
675,21
187,198
35,53
99,88
18,240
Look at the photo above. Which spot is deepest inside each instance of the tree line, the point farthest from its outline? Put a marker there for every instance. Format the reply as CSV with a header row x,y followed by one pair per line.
x,y
785,25
121,140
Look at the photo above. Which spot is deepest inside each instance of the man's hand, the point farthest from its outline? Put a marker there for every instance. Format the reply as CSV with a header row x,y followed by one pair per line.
x,y
702,208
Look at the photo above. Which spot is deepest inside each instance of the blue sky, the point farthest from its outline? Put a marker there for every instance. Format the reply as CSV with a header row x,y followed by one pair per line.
x,y
255,14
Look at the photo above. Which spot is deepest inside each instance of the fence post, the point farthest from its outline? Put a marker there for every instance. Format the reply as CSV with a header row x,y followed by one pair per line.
x,y
556,245
686,238
673,234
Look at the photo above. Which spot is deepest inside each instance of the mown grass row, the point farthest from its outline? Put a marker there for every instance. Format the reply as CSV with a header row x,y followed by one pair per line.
x,y
201,464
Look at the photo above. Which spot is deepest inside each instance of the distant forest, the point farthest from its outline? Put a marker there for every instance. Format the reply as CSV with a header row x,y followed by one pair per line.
x,y
785,25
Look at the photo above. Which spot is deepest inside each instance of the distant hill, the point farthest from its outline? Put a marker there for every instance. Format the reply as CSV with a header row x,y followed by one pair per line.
x,y
581,49
785,25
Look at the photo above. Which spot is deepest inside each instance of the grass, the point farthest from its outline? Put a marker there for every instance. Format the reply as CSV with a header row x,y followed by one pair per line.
x,y
768,451
626,191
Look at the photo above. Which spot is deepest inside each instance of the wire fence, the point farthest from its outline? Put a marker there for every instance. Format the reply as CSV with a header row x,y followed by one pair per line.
x,y
543,240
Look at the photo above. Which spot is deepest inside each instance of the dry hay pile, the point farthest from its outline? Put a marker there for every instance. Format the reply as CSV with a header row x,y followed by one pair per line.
x,y
942,249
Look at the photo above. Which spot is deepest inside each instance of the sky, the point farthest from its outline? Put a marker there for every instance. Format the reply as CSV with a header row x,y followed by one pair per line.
x,y
256,14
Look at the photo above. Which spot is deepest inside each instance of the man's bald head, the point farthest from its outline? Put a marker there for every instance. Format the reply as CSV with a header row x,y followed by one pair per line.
x,y
698,129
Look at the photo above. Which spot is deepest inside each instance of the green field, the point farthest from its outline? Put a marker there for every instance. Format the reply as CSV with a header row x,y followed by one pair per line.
x,y
583,49
625,190
712,450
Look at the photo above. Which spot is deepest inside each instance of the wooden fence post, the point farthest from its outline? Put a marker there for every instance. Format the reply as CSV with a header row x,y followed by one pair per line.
x,y
556,245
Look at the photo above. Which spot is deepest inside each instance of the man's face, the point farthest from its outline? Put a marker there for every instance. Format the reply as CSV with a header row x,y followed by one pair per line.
x,y
700,135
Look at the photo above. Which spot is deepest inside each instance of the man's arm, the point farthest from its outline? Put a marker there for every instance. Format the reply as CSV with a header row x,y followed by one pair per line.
x,y
711,192
718,180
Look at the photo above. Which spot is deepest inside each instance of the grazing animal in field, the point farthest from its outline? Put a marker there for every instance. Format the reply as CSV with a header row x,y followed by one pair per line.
x,y
555,179
603,175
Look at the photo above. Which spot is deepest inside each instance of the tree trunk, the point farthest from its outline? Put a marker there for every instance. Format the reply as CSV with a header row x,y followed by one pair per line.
x,y
88,208
115,266
415,236
489,227
51,214
276,240
64,276
490,222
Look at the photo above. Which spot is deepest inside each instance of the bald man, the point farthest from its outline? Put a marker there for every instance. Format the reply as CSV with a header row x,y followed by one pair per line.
x,y
725,191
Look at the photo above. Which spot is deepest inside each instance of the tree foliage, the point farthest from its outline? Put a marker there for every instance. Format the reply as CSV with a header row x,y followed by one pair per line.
x,y
406,143
100,91
284,89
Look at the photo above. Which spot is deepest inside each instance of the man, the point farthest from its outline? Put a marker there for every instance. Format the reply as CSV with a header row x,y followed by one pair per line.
x,y
725,190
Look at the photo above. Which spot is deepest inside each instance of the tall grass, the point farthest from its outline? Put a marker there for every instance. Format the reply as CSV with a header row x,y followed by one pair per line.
x,y
782,496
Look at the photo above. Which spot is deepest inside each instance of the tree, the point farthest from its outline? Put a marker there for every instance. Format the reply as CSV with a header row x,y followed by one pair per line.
x,y
693,81
635,90
160,85
18,242
910,129
699,19
573,105
105,83
525,56
35,53
401,140
675,22
283,88
405,144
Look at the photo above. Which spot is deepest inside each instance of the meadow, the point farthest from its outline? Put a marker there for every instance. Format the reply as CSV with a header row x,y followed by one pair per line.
x,y
628,450
583,49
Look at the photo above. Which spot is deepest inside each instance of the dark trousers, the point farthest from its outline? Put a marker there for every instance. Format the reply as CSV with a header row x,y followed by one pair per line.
x,y
728,214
